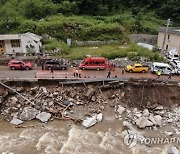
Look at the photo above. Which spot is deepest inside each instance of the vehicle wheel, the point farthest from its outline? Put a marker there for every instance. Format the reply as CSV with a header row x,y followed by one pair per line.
x,y
130,71
13,68
83,68
49,68
143,71
27,68
98,69
63,68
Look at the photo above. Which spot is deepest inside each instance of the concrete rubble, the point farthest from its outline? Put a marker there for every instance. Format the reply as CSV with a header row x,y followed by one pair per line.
x,y
90,121
43,116
16,121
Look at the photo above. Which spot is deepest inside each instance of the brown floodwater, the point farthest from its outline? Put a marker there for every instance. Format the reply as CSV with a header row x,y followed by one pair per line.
x,y
64,137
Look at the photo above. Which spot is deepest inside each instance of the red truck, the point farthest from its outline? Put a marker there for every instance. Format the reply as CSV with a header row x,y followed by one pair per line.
x,y
98,63
19,65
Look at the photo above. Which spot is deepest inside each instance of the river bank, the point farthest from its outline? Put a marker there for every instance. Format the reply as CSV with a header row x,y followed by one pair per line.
x,y
89,118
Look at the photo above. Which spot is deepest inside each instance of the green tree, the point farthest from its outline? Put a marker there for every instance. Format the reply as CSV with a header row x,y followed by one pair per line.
x,y
8,15
38,9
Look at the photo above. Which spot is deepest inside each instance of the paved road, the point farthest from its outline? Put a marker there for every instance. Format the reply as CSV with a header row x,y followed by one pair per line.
x,y
38,73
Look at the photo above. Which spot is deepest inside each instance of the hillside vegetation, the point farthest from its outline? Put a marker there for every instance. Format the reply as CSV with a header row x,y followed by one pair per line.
x,y
86,19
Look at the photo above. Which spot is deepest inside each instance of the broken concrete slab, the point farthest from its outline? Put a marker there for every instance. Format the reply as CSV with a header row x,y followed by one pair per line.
x,y
16,121
120,109
43,116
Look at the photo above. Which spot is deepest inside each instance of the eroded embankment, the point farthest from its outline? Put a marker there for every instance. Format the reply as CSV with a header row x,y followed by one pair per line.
x,y
118,109
54,97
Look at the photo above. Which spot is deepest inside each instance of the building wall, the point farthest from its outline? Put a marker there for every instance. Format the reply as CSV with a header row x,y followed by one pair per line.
x,y
26,41
9,48
173,41
144,38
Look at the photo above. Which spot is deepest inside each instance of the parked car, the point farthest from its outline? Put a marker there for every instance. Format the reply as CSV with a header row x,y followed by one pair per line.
x,y
165,68
55,65
97,63
137,68
19,64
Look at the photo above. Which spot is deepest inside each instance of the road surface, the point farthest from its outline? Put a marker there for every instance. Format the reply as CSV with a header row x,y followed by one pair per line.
x,y
45,74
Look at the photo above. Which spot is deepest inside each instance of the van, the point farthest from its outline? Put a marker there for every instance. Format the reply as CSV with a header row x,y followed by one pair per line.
x,y
97,63
55,65
165,68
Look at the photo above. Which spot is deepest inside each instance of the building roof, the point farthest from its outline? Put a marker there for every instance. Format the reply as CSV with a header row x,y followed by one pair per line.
x,y
171,30
18,36
10,37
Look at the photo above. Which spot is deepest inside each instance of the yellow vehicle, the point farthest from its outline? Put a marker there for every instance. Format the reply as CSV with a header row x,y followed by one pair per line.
x,y
137,68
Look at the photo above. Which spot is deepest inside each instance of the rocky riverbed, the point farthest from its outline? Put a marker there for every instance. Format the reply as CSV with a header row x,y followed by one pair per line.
x,y
117,109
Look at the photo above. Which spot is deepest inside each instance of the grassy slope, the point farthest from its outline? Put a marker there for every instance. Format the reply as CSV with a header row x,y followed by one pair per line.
x,y
131,51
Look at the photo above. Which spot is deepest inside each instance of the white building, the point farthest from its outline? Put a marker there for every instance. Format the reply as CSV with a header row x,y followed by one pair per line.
x,y
20,43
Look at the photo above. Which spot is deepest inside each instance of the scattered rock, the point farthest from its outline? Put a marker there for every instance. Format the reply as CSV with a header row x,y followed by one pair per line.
x,y
123,94
43,116
99,117
93,98
88,122
44,90
55,94
149,123
1,99
28,113
141,122
66,102
16,121
169,133
173,150
14,100
90,92
159,108
120,109
151,118
20,89
145,113
158,120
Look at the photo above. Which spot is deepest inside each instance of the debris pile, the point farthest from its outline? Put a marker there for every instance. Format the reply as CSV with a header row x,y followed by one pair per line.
x,y
90,104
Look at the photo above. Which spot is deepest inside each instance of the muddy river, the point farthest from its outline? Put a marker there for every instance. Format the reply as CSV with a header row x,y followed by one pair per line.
x,y
64,137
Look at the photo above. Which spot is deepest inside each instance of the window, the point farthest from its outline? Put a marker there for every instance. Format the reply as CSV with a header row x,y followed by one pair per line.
x,y
102,63
15,43
91,62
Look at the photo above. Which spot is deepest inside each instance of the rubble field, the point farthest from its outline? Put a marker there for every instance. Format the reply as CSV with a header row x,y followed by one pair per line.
x,y
144,104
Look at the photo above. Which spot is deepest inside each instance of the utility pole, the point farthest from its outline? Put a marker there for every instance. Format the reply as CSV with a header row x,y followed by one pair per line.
x,y
165,35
